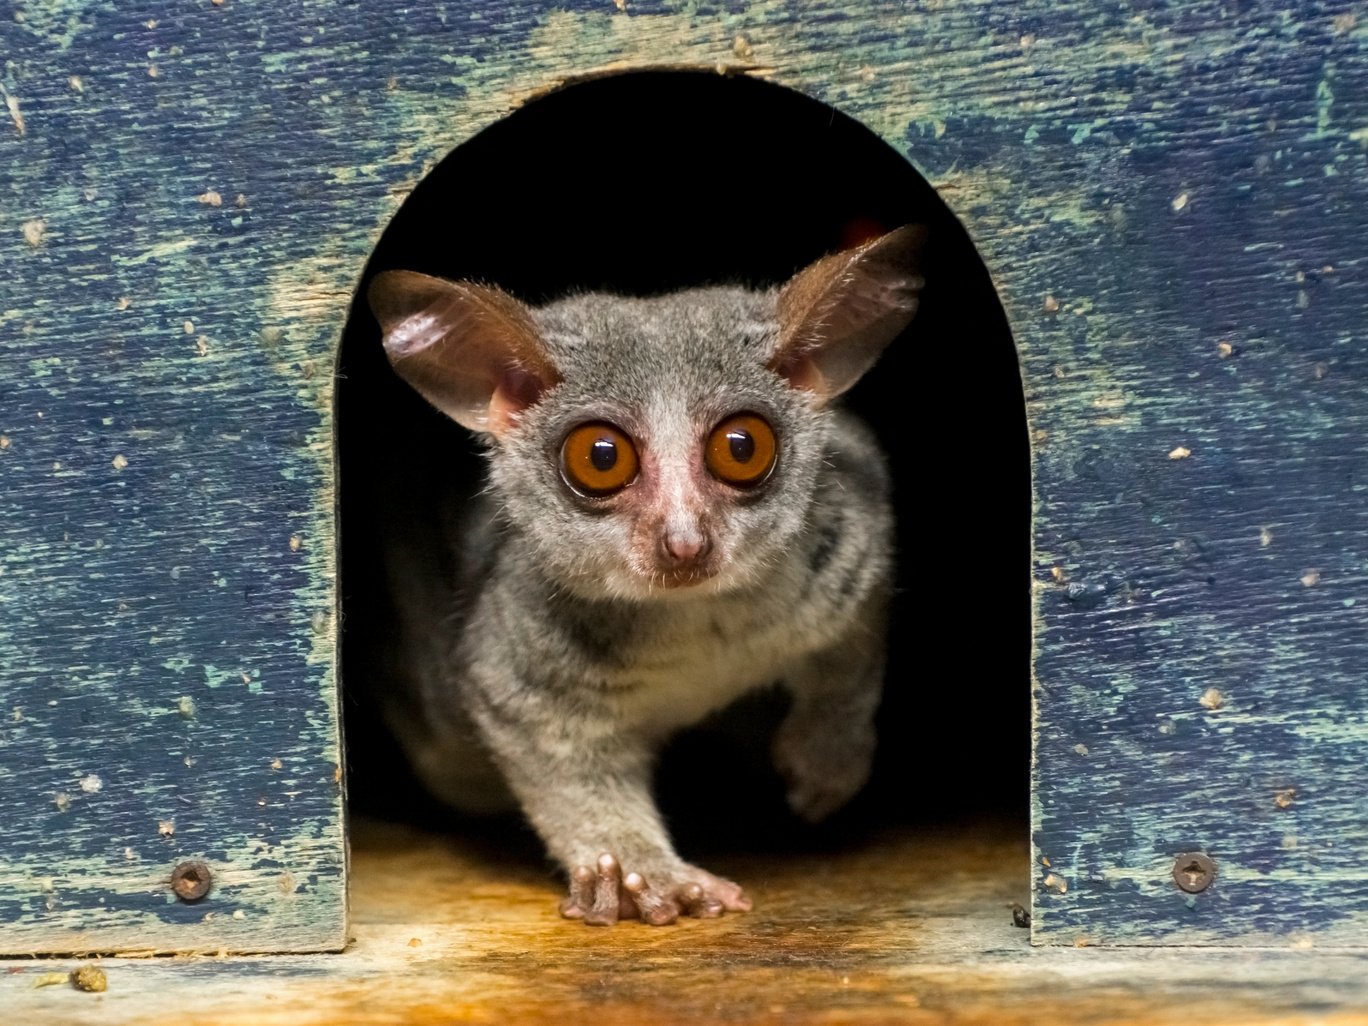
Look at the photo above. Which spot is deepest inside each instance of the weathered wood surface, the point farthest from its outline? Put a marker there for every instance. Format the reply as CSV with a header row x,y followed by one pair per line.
x,y
1172,199
893,929
166,537
1188,295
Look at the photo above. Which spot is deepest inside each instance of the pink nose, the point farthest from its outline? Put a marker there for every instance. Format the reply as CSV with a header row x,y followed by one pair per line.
x,y
684,550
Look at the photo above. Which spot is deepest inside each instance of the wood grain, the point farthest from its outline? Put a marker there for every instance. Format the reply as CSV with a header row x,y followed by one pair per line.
x,y
1171,198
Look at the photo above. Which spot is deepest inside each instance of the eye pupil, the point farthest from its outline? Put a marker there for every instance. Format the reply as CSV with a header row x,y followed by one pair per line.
x,y
603,455
741,444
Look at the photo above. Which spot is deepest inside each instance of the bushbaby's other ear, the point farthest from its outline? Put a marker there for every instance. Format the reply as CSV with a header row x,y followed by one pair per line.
x,y
837,315
470,350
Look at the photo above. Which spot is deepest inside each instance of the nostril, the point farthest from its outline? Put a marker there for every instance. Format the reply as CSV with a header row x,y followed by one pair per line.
x,y
684,549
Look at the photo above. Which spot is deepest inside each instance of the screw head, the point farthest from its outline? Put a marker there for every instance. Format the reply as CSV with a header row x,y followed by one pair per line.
x,y
191,880
1193,872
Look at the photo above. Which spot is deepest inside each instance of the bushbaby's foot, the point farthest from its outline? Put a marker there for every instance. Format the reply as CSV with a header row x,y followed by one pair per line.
x,y
602,894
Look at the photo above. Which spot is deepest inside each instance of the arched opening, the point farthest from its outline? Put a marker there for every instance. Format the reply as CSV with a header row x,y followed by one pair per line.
x,y
645,182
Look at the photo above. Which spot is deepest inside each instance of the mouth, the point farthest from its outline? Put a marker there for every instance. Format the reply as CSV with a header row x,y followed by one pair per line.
x,y
677,578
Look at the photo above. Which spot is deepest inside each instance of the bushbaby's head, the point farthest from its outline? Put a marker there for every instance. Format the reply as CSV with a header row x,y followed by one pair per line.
x,y
660,446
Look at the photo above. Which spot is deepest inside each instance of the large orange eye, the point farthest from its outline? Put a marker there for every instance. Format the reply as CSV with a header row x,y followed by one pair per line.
x,y
598,459
741,450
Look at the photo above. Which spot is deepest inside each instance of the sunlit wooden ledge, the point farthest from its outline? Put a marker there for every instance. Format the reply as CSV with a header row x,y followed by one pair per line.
x,y
903,927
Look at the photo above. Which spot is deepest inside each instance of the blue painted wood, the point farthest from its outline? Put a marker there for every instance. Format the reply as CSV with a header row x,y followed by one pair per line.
x,y
1190,320
1172,199
166,558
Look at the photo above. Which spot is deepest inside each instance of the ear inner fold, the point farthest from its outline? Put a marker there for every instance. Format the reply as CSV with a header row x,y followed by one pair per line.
x,y
470,350
837,315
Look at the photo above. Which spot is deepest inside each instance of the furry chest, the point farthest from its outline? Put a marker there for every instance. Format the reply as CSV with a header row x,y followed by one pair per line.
x,y
678,674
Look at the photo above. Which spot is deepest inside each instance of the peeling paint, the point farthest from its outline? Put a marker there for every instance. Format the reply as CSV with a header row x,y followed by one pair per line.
x,y
1139,183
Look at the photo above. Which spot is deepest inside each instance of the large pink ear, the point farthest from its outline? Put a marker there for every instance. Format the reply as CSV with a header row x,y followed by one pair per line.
x,y
837,315
470,350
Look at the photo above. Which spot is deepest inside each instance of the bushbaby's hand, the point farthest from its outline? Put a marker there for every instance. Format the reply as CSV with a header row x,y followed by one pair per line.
x,y
602,894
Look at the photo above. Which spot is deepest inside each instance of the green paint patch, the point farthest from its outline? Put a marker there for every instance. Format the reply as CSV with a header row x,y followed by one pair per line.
x,y
158,252
215,677
43,367
1325,99
56,21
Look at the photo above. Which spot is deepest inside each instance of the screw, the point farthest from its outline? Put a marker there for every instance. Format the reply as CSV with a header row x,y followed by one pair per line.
x,y
1193,872
191,880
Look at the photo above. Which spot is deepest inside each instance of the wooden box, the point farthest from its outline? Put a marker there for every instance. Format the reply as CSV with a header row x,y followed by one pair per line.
x,y
1171,200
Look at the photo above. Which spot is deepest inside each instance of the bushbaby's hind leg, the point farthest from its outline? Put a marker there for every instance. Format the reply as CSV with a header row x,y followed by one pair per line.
x,y
453,763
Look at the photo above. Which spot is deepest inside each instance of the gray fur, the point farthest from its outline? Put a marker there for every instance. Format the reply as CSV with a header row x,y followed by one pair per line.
x,y
558,655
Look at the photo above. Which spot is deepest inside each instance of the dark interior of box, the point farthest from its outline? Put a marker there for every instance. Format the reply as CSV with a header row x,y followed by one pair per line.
x,y
646,182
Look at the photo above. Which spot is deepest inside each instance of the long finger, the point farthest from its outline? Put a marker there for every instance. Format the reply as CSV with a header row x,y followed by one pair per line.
x,y
604,909
653,907
695,902
581,897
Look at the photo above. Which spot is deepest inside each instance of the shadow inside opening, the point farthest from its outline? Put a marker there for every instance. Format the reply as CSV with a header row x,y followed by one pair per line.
x,y
647,182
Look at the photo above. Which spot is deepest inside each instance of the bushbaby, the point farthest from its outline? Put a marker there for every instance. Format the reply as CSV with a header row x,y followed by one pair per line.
x,y
676,513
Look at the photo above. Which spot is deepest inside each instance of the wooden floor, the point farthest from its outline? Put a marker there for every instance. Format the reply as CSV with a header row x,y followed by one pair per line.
x,y
902,929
